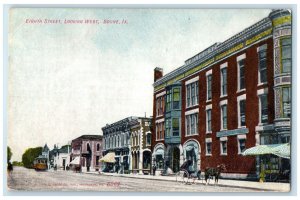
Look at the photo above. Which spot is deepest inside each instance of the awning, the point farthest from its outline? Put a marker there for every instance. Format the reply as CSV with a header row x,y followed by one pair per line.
x,y
281,150
159,152
76,161
109,158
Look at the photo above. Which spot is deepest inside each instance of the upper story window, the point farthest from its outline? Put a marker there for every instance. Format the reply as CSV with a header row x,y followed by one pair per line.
x,y
241,71
191,122
192,94
169,99
173,98
160,104
262,64
263,108
168,127
208,83
224,81
242,114
98,147
175,126
160,130
176,98
286,54
224,117
286,102
208,121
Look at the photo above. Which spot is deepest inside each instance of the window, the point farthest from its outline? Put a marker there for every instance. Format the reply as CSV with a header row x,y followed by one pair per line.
x,y
224,81
160,106
188,95
169,99
168,127
98,147
160,131
224,147
208,121
286,102
262,66
208,148
148,139
192,124
242,113
176,98
208,80
175,124
241,66
286,54
188,125
242,145
118,143
224,116
122,140
264,109
192,94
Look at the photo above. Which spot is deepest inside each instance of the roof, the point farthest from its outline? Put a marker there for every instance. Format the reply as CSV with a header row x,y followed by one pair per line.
x,y
65,149
90,137
206,57
46,148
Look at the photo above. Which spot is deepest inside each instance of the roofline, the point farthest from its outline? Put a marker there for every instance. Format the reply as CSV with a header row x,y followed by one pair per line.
x,y
248,32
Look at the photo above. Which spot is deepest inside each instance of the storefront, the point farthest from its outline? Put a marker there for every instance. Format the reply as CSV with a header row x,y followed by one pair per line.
x,y
191,151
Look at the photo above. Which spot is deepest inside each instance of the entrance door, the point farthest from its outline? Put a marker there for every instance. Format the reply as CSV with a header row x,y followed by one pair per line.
x,y
176,159
64,164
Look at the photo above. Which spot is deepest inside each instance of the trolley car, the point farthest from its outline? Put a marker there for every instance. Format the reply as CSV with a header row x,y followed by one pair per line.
x,y
40,164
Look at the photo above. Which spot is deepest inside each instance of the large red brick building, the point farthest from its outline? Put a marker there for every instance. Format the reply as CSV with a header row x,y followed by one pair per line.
x,y
232,96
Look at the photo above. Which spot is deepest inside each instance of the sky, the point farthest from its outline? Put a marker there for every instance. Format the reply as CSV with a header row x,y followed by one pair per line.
x,y
67,80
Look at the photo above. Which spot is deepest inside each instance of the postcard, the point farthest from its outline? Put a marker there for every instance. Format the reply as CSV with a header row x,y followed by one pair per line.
x,y
149,99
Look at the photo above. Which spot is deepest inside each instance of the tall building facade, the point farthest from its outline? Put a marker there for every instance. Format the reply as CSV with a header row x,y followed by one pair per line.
x,y
232,96
130,140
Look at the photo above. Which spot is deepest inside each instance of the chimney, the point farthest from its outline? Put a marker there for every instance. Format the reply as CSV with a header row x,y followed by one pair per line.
x,y
158,73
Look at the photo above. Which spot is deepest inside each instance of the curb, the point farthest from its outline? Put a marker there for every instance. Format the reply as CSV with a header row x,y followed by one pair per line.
x,y
220,185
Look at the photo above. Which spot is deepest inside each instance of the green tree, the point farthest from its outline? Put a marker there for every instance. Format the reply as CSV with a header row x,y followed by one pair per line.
x,y
16,163
29,155
9,154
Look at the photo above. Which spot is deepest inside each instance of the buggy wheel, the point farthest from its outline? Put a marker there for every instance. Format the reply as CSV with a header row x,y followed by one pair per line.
x,y
185,177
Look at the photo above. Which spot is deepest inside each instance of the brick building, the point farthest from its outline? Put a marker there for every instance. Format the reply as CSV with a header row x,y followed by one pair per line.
x,y
86,152
232,96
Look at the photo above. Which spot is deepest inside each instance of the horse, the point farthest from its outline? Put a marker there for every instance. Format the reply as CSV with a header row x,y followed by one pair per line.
x,y
210,172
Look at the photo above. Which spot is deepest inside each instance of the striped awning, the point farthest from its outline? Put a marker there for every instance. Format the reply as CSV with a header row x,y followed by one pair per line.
x,y
281,150
109,158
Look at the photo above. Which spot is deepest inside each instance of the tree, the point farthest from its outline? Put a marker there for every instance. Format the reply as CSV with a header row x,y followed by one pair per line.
x,y
9,154
29,155
16,163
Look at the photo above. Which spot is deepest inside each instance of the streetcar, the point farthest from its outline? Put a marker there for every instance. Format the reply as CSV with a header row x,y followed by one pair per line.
x,y
40,164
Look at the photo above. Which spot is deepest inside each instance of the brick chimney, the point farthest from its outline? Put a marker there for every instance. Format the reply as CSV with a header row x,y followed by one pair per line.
x,y
158,73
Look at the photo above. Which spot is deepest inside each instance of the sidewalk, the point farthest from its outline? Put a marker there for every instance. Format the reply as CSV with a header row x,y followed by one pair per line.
x,y
267,186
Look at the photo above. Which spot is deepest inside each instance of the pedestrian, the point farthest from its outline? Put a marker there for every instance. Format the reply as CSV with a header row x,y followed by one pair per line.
x,y
154,169
9,168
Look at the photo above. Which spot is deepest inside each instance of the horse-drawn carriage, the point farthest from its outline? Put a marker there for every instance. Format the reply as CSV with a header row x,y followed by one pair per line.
x,y
186,175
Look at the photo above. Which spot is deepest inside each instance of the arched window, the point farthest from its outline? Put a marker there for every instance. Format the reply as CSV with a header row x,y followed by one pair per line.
x,y
98,147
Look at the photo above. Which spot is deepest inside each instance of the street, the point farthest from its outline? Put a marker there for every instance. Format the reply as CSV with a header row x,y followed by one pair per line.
x,y
22,179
